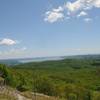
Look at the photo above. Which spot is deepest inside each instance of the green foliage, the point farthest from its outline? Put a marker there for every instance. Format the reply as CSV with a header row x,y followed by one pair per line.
x,y
5,73
44,86
72,79
96,95
22,85
72,96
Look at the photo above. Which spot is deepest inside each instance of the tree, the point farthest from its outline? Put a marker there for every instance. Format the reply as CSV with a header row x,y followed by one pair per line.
x,y
22,85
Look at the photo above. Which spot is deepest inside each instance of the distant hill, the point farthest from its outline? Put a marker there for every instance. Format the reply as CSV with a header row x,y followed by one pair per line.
x,y
27,60
9,61
41,59
84,56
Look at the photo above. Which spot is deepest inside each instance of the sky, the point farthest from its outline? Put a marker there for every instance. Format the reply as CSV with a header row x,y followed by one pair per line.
x,y
40,28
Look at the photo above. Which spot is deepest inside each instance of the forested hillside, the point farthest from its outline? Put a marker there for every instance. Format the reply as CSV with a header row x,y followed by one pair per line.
x,y
71,79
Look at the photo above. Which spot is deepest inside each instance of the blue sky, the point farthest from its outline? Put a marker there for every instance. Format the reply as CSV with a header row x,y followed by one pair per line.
x,y
37,28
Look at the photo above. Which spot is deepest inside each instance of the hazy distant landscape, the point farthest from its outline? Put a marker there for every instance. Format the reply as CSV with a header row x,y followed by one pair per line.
x,y
70,78
27,60
41,59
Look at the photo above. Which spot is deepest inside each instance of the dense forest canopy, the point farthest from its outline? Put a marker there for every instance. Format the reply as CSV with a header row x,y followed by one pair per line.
x,y
68,78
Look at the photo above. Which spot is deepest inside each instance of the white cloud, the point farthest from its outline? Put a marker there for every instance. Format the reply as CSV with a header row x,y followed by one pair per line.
x,y
54,15
7,42
87,19
82,5
73,7
97,3
59,9
82,13
77,8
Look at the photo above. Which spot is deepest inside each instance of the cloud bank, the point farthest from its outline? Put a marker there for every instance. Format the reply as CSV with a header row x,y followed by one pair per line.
x,y
78,9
